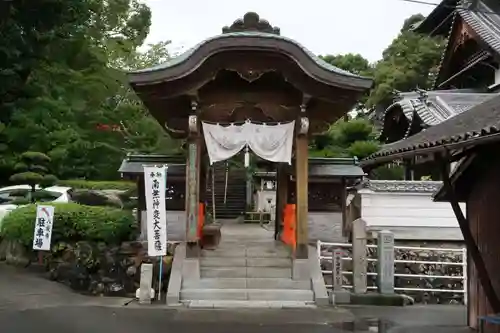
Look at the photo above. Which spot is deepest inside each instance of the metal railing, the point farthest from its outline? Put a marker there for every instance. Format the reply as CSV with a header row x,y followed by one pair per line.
x,y
462,263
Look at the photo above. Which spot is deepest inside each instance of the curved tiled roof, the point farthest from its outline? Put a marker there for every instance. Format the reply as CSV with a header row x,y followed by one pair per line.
x,y
482,20
254,34
248,40
434,107
479,122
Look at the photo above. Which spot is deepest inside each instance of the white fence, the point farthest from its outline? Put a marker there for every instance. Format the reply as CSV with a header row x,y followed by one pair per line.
x,y
325,254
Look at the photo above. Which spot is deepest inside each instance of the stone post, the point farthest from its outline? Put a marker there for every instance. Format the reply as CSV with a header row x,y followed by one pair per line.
x,y
145,284
340,295
359,262
337,267
385,264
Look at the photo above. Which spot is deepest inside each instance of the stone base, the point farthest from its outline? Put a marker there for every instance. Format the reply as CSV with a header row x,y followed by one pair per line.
x,y
300,269
191,269
341,297
145,284
380,299
211,236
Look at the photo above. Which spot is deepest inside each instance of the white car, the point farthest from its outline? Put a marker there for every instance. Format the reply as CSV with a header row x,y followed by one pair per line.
x,y
8,195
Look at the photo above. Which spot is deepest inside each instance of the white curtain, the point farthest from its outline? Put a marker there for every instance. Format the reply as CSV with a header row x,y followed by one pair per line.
x,y
270,142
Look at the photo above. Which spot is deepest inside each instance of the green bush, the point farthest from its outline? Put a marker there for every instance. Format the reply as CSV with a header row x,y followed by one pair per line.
x,y
72,223
98,185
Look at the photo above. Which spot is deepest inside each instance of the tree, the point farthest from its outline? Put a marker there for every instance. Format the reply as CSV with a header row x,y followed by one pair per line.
x,y
354,63
32,169
87,118
355,138
411,61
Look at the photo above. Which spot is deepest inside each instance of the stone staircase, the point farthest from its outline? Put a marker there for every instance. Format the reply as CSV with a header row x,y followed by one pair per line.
x,y
235,204
247,273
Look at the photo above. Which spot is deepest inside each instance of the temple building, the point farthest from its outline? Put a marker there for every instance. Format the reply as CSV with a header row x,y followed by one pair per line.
x,y
469,73
470,139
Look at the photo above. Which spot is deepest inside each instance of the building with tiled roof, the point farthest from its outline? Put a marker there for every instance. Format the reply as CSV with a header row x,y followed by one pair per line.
x,y
469,72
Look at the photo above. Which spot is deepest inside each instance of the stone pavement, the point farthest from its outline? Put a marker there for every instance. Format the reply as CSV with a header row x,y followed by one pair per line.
x,y
29,303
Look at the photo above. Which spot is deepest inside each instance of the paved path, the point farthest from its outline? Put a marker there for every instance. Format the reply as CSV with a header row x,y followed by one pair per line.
x,y
29,303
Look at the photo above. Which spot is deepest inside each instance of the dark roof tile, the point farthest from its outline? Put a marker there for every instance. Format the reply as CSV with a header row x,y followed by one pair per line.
x,y
482,120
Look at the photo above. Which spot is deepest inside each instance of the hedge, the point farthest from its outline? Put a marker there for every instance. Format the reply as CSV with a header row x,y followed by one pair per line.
x,y
98,185
72,223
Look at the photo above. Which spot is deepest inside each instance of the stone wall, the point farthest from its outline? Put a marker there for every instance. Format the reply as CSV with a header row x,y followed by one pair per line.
x,y
92,268
412,268
325,226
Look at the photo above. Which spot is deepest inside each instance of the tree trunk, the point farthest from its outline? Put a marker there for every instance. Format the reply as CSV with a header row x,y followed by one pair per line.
x,y
32,194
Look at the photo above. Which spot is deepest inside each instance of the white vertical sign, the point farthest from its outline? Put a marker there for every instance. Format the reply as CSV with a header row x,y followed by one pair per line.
x,y
42,235
154,183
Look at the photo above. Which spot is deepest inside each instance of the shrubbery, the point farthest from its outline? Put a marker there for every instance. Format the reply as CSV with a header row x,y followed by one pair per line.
x,y
72,223
98,185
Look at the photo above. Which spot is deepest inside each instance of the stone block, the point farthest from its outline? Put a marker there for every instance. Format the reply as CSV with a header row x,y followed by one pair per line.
x,y
277,283
191,269
225,252
222,262
223,272
216,283
269,262
214,294
300,269
280,295
342,297
145,283
268,272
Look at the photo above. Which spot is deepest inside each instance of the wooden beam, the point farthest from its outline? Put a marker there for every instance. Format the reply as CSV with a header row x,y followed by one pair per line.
x,y
470,243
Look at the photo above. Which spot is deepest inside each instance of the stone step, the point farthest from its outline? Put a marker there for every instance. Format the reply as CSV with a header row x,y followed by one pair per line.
x,y
248,252
223,272
246,283
249,304
247,294
245,262
240,272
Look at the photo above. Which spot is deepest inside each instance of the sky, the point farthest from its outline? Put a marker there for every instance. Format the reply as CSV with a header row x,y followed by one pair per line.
x,y
366,27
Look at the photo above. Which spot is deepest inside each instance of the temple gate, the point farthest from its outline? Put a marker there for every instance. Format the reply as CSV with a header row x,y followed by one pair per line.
x,y
248,73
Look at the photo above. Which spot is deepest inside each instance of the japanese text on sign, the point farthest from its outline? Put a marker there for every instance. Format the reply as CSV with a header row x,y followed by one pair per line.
x,y
154,181
42,235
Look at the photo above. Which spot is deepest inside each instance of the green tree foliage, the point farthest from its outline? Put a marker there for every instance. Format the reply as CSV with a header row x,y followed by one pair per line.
x,y
411,61
72,223
354,63
70,98
32,169
355,138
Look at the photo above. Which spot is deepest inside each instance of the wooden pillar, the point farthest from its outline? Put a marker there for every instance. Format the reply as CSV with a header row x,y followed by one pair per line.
x,y
141,207
193,187
343,204
281,197
203,173
301,191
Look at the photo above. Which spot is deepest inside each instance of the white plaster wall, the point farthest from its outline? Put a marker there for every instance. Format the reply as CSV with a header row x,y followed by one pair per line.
x,y
411,215
263,204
